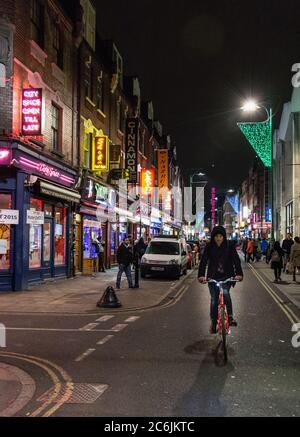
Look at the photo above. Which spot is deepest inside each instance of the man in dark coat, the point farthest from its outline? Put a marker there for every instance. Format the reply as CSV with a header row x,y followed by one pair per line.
x,y
124,258
223,263
138,251
286,247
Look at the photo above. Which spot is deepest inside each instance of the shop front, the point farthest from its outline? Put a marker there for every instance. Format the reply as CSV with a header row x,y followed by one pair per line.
x,y
37,204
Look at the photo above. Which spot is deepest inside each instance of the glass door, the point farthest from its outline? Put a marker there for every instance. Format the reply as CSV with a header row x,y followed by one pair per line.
x,y
47,243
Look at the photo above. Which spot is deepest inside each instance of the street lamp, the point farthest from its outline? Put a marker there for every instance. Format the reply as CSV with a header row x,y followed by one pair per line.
x,y
260,136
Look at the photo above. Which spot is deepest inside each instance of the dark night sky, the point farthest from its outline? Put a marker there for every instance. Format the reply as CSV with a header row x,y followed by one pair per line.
x,y
198,60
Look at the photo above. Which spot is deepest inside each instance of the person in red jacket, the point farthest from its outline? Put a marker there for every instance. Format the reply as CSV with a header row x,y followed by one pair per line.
x,y
250,250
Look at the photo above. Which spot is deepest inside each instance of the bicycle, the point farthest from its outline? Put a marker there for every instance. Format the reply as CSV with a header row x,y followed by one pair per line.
x,y
223,321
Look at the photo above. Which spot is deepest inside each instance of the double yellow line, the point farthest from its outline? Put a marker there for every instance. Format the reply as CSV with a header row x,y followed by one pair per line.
x,y
288,312
63,388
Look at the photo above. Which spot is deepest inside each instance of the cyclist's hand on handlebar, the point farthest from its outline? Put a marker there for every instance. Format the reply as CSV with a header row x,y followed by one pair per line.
x,y
202,280
239,278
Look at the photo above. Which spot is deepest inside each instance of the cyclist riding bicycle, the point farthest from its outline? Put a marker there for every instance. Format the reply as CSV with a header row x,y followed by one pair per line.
x,y
223,263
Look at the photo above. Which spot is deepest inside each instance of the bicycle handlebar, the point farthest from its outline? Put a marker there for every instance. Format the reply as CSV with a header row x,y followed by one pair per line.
x,y
222,282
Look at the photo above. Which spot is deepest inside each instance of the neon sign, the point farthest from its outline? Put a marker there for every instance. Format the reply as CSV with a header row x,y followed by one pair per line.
x,y
31,111
213,207
46,170
147,181
5,155
100,154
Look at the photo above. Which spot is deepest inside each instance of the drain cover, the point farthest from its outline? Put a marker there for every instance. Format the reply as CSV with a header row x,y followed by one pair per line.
x,y
81,394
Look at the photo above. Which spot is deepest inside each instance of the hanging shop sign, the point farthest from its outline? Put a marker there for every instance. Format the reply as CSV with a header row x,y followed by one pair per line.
x,y
9,217
213,206
168,201
131,148
32,111
115,154
95,192
163,169
35,217
147,182
100,154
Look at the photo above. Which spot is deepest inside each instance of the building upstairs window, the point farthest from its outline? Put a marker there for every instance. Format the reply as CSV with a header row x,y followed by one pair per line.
x,y
89,19
58,46
100,93
87,150
56,128
37,22
88,80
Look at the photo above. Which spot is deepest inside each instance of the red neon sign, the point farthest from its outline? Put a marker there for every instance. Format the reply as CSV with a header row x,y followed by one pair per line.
x,y
31,111
147,181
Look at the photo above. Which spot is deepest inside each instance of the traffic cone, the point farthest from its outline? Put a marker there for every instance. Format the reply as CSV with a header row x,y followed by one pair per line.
x,y
109,299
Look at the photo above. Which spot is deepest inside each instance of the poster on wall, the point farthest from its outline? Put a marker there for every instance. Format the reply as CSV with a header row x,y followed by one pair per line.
x,y
9,217
35,217
3,247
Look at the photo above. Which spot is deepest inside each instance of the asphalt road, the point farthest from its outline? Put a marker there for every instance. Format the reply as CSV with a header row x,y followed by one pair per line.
x,y
160,362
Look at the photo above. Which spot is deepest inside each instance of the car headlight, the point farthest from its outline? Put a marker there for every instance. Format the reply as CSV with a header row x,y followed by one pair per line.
x,y
144,261
174,261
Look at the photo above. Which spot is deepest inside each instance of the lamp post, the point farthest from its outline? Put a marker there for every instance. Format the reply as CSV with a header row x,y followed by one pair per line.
x,y
260,136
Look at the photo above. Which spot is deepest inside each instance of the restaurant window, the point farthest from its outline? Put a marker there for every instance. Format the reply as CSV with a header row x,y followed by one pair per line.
x,y
58,46
55,127
35,237
5,234
87,149
60,236
37,22
91,230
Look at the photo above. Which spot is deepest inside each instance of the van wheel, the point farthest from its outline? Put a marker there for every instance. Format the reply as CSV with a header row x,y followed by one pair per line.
x,y
185,271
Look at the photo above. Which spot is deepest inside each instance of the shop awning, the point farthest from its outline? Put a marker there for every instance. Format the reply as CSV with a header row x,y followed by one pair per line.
x,y
59,192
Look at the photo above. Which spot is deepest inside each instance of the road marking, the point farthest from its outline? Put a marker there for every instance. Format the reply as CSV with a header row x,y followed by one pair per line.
x,y
58,330
132,319
119,327
84,355
105,339
104,318
288,312
89,327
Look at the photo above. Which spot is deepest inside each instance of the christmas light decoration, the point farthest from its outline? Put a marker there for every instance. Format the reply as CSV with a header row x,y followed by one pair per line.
x,y
259,136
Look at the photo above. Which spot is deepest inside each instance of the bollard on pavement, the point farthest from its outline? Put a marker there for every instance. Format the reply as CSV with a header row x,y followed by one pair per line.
x,y
109,299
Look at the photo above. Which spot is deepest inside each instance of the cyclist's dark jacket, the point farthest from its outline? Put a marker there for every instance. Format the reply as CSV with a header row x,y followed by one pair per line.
x,y
223,262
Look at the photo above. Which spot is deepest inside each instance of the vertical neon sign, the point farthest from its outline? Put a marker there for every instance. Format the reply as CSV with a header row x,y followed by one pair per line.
x,y
213,207
31,111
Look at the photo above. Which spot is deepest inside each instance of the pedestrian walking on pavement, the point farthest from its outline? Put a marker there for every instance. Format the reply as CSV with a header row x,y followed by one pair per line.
x,y
276,258
124,258
264,247
138,252
100,252
244,248
286,247
250,250
295,257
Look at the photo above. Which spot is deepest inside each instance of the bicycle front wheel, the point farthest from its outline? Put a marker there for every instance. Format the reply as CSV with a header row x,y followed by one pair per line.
x,y
224,333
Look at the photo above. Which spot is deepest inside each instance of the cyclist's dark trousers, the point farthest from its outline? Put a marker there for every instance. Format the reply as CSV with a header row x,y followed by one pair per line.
x,y
214,303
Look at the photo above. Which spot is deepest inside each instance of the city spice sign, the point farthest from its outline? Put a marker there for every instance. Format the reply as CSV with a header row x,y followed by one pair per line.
x,y
131,142
32,111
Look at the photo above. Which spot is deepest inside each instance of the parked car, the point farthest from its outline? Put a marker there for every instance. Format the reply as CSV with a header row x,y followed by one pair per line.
x,y
165,255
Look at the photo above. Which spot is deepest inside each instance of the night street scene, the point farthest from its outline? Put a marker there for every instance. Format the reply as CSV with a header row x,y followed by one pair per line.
x,y
149,211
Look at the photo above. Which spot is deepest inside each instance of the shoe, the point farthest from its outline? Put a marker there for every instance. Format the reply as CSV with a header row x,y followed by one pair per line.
x,y
118,288
213,329
279,279
276,281
232,322
131,286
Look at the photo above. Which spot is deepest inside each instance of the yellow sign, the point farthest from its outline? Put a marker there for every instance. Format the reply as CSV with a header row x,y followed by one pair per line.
x,y
163,168
100,161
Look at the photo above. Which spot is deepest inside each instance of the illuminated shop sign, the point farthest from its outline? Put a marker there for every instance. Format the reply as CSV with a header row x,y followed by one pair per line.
x,y
131,148
95,192
168,201
45,170
5,156
100,154
147,181
163,168
32,111
213,207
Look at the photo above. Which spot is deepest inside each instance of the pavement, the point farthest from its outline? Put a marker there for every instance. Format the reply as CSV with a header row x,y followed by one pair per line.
x,y
80,295
287,287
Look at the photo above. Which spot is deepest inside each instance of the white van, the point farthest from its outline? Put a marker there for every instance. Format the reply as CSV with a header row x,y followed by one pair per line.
x,y
165,255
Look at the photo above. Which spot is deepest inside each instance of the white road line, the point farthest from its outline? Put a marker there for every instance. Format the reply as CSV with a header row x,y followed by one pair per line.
x,y
89,327
118,327
58,330
85,354
104,318
105,339
132,319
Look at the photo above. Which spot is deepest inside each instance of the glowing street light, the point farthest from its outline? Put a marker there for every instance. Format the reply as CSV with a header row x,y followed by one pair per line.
x,y
250,106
